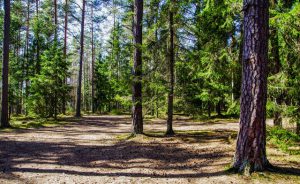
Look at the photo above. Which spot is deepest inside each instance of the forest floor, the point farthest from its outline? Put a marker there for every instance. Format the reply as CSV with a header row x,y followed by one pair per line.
x,y
100,150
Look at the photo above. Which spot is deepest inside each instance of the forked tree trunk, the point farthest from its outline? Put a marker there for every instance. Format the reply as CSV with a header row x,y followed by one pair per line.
x,y
4,111
78,101
251,144
137,111
171,68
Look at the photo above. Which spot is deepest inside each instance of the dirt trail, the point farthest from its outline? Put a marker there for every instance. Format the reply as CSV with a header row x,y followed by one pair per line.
x,y
94,150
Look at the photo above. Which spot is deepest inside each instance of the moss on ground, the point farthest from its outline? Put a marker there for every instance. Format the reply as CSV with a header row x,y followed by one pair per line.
x,y
23,122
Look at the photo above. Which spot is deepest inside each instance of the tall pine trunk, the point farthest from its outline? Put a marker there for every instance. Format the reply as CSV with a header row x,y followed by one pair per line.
x,y
4,111
19,103
38,64
251,144
93,61
276,66
65,50
137,112
55,19
171,68
26,67
78,101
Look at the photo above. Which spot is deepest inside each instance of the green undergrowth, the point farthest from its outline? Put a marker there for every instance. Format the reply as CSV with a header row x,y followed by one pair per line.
x,y
267,177
285,140
181,134
215,119
124,137
31,122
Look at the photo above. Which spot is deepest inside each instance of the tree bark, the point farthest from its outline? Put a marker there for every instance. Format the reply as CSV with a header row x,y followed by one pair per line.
x,y
219,109
38,65
5,64
238,70
209,109
251,144
19,103
93,61
78,102
55,19
298,128
171,68
137,111
277,119
26,67
65,50
275,66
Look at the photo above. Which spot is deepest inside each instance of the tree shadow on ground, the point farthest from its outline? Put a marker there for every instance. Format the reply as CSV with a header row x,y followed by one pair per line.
x,y
200,136
168,158
278,169
16,155
117,157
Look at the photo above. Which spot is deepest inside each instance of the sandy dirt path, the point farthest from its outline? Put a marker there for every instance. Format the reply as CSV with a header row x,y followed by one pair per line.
x,y
94,150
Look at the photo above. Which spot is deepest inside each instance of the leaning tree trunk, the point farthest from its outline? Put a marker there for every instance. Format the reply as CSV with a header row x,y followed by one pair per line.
x,y
171,68
78,101
137,112
4,111
251,144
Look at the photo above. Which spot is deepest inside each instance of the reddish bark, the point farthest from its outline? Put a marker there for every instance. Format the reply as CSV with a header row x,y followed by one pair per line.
x,y
251,144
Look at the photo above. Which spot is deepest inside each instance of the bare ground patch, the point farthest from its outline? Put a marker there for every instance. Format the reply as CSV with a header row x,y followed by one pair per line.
x,y
96,150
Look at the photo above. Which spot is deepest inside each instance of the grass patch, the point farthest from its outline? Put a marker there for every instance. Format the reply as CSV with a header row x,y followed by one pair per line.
x,y
29,122
155,133
162,134
215,119
118,112
195,132
285,140
229,169
273,177
125,137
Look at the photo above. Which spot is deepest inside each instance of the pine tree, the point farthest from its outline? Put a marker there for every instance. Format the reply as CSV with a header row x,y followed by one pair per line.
x,y
251,144
78,101
171,68
6,40
137,113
